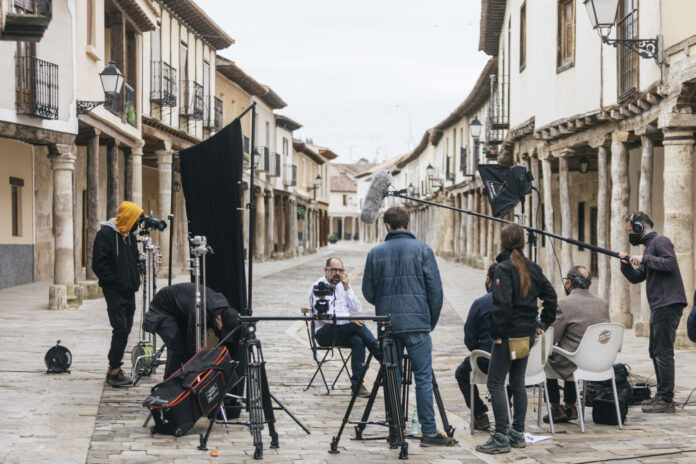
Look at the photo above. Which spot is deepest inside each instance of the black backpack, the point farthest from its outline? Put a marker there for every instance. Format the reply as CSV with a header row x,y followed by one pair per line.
x,y
600,396
194,390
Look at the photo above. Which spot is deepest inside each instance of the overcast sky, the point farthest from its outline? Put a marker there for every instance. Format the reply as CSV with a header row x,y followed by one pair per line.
x,y
365,78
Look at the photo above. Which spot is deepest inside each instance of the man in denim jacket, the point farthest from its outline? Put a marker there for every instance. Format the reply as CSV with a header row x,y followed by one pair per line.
x,y
402,280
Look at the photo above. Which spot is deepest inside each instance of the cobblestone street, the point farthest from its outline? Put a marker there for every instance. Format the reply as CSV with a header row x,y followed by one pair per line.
x,y
71,418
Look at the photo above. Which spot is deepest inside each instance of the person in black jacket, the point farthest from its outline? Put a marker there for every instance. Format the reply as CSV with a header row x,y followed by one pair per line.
x,y
664,287
518,284
172,316
115,262
477,337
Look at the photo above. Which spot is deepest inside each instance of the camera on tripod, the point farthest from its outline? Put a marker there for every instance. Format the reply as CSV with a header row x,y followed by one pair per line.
x,y
321,305
148,223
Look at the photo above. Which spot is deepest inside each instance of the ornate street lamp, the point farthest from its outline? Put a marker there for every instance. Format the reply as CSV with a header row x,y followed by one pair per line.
x,y
430,171
475,128
584,165
411,189
603,14
111,80
317,184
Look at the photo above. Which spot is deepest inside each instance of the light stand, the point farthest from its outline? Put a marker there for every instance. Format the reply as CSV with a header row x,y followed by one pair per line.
x,y
199,248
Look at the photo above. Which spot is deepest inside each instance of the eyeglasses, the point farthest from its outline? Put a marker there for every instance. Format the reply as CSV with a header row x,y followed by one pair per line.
x,y
334,270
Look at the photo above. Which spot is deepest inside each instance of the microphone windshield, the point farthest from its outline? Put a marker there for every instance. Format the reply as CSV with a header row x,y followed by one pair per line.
x,y
381,180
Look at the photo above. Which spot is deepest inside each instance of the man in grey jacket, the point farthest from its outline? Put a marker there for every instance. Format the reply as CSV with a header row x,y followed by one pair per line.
x,y
658,267
574,314
402,280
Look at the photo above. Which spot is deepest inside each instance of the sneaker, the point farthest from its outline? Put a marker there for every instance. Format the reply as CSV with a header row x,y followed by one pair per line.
x,y
497,444
571,412
363,392
118,379
558,413
516,439
659,406
481,422
440,439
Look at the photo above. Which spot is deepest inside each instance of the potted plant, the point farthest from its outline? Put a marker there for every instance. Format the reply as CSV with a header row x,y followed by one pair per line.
x,y
333,238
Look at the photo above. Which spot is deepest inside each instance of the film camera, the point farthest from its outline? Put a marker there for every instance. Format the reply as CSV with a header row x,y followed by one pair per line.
x,y
321,305
147,223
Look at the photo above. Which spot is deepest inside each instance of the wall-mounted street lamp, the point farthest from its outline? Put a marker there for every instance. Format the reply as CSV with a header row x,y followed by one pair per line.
x,y
603,15
475,127
317,184
111,81
430,171
584,165
411,190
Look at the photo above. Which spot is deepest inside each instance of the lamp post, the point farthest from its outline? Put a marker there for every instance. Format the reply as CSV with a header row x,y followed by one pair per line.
x,y
475,127
584,165
317,184
430,171
603,14
111,80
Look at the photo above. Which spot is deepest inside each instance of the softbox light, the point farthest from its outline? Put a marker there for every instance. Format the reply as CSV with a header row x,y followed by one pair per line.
x,y
505,186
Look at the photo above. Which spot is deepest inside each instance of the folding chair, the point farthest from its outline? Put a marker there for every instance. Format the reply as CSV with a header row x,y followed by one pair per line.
x,y
320,360
535,375
478,377
595,359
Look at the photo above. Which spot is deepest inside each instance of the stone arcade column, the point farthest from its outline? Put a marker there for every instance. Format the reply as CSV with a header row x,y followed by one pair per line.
x,y
259,225
292,207
270,230
475,223
164,180
112,179
603,283
566,217
678,146
62,159
446,228
619,296
551,270
469,228
641,328
533,202
136,163
92,213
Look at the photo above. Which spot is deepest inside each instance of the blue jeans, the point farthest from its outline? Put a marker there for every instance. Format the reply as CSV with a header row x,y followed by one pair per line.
x,y
419,347
353,335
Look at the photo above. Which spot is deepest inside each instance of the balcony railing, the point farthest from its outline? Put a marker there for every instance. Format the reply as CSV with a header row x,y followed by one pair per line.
x,y
191,100
290,175
131,114
266,159
212,117
498,120
163,84
28,20
263,159
274,170
36,87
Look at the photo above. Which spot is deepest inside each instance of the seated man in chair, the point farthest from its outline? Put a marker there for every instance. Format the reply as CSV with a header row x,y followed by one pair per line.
x,y
344,303
574,314
172,316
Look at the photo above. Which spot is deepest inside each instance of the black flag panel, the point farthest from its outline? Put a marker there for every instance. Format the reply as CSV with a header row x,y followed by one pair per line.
x,y
505,186
211,175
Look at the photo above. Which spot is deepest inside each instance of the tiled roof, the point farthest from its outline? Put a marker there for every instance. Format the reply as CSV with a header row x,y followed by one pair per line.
x,y
343,183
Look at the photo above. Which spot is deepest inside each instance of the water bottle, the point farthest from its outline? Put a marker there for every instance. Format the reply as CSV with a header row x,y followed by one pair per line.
x,y
415,425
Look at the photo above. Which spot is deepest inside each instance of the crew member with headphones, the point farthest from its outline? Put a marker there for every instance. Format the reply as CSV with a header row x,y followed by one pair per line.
x,y
657,266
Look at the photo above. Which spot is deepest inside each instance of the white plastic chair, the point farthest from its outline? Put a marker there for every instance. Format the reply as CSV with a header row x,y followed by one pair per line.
x,y
535,375
478,377
595,359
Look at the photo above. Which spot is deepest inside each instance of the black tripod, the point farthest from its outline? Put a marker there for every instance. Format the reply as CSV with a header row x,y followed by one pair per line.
x,y
258,400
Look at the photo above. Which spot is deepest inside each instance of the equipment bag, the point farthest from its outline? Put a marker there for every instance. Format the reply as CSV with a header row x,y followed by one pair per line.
x,y
194,390
604,411
598,389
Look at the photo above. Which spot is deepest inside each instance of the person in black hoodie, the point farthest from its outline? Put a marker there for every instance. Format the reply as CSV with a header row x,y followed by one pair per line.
x,y
518,284
477,337
172,316
664,287
115,262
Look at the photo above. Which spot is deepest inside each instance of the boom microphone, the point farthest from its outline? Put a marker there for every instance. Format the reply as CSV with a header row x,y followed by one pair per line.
x,y
381,180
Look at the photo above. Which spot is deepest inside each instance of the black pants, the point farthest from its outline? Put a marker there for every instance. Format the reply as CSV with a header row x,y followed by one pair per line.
x,y
570,396
120,306
500,366
463,376
175,339
663,330
357,337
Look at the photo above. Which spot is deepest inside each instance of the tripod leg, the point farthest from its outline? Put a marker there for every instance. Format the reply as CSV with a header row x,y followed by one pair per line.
x,y
406,380
268,406
346,417
255,401
287,411
393,406
379,381
449,430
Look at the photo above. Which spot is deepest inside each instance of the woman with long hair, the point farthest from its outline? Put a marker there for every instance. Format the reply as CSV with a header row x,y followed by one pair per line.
x,y
517,285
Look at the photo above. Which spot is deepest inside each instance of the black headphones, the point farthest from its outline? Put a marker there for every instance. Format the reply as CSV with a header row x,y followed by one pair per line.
x,y
637,227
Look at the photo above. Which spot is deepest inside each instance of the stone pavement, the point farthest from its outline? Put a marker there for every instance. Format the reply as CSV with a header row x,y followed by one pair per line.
x,y
73,418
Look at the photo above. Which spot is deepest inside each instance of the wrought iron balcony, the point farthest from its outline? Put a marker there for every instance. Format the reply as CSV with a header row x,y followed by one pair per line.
x,y
290,179
274,170
28,20
498,120
191,100
212,120
262,165
36,87
163,84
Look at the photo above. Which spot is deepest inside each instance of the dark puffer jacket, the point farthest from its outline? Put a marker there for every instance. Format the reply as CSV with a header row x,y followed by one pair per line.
x,y
513,316
115,260
402,280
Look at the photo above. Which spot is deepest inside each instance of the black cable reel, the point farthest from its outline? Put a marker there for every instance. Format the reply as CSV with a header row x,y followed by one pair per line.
x,y
58,359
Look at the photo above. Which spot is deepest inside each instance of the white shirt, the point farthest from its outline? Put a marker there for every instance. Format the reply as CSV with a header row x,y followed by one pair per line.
x,y
343,303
